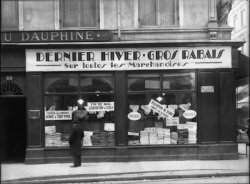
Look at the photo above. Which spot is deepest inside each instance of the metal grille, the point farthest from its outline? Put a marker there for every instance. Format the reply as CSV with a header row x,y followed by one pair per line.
x,y
10,88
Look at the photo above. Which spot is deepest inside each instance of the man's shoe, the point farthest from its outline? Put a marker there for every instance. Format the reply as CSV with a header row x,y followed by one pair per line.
x,y
73,166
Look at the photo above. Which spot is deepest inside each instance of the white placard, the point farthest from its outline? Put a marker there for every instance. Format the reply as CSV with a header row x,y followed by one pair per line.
x,y
134,116
109,126
207,89
111,59
50,129
160,109
172,121
182,126
133,133
166,84
100,106
58,115
189,114
152,84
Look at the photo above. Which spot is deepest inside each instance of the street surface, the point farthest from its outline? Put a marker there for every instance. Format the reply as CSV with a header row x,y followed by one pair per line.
x,y
209,180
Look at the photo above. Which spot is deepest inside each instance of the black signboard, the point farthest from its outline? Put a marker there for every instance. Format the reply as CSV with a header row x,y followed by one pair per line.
x,y
56,36
34,114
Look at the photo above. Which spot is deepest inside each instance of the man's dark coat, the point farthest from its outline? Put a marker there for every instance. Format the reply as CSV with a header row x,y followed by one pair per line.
x,y
75,139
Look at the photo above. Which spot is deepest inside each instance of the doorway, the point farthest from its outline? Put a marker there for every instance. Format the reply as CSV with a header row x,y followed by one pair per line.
x,y
13,129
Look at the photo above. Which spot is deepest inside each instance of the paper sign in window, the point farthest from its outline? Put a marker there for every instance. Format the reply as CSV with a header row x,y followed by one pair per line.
x,y
34,114
86,82
172,121
73,82
152,84
109,126
207,89
50,129
166,84
58,115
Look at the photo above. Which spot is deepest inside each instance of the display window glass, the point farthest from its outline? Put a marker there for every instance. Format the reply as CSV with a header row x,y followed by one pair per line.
x,y
61,83
144,82
164,116
96,83
96,113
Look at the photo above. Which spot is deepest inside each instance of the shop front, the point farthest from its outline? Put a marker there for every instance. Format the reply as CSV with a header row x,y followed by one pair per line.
x,y
140,101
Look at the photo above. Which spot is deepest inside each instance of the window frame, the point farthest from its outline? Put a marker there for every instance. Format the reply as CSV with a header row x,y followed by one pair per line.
x,y
78,94
61,17
158,23
243,18
160,92
16,27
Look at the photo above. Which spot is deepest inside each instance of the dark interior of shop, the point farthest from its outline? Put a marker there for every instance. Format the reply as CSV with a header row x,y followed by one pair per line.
x,y
13,129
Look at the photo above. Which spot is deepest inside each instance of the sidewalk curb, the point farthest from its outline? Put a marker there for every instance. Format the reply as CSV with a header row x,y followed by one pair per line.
x,y
117,177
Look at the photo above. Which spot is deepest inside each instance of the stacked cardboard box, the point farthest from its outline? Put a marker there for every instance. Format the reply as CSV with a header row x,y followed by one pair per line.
x,y
144,137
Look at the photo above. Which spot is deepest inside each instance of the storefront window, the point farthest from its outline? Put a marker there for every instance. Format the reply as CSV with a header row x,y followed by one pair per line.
x,y
144,82
97,107
97,83
165,113
61,83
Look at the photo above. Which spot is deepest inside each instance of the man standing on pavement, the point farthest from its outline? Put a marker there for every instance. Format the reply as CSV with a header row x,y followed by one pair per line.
x,y
75,142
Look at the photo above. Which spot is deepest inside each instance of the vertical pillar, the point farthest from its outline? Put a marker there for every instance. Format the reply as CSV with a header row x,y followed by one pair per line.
x,y
208,125
34,152
120,117
227,106
212,13
212,20
120,109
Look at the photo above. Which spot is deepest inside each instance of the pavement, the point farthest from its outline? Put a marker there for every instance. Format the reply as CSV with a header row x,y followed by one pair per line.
x,y
124,171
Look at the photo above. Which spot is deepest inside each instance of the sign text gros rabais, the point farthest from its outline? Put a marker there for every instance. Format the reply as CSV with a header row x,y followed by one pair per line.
x,y
125,55
127,58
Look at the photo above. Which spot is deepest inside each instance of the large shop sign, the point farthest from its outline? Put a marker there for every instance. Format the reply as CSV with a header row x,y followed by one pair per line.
x,y
128,59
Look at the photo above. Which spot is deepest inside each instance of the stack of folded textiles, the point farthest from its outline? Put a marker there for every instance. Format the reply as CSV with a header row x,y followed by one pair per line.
x,y
103,139
192,131
111,138
153,137
182,136
160,135
144,137
174,137
96,138
166,133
